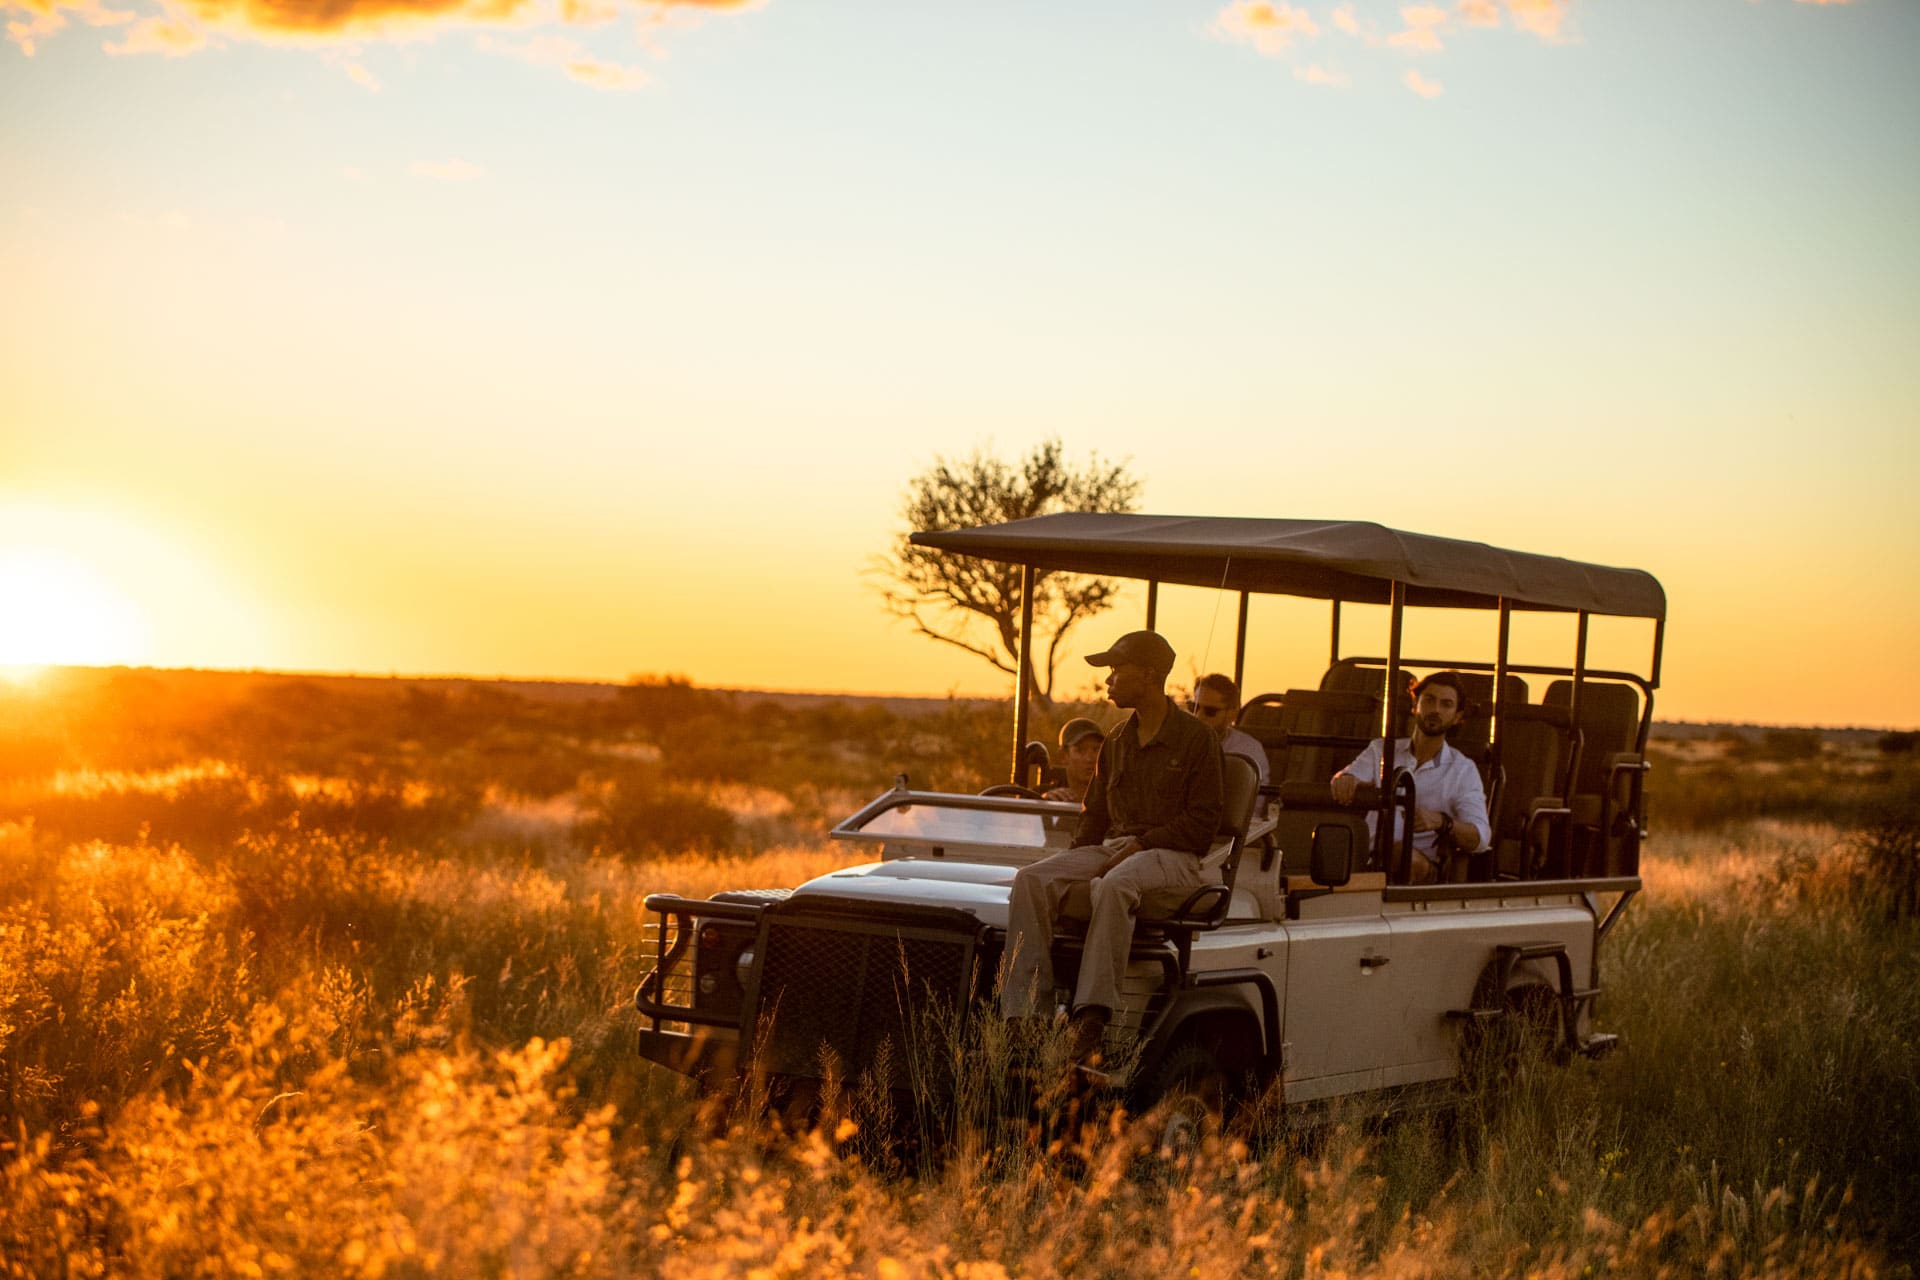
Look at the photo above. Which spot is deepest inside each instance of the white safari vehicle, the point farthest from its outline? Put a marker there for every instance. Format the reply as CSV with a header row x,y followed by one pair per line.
x,y
1310,962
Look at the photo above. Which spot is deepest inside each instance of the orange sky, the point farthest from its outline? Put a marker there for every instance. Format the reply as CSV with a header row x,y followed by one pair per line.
x,y
588,340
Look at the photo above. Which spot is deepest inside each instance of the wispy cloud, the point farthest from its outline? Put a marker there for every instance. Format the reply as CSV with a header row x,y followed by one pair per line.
x,y
1270,28
1421,85
32,21
1544,18
170,34
454,170
1478,13
339,28
569,56
1314,73
1422,32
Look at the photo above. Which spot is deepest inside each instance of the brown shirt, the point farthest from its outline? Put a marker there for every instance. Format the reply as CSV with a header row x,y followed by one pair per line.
x,y
1168,792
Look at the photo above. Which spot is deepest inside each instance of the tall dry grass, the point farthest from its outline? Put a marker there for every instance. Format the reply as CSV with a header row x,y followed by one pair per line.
x,y
310,1046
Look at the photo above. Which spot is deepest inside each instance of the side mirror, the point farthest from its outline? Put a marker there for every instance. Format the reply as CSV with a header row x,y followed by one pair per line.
x,y
1331,862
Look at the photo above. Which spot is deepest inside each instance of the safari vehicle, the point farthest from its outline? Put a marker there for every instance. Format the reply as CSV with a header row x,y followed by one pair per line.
x,y
1310,962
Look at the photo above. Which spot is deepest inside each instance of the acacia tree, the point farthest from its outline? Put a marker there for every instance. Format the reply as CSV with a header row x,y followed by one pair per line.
x,y
974,604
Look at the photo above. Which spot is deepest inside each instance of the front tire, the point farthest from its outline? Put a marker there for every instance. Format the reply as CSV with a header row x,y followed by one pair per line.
x,y
1191,1092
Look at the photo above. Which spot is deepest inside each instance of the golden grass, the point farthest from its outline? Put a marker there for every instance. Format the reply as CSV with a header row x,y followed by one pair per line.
x,y
343,1040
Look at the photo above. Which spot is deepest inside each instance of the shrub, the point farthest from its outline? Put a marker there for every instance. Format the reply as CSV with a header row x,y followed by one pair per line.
x,y
638,814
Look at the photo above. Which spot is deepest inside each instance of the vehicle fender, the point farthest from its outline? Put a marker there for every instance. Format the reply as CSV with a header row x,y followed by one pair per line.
x,y
1223,1016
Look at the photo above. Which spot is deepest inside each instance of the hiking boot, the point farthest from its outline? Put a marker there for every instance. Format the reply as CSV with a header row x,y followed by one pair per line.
x,y
1086,1035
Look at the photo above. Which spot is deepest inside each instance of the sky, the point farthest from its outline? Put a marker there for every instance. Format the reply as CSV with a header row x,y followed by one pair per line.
x,y
584,339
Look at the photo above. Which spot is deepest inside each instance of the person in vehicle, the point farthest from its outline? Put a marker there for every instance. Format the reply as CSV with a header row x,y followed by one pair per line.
x,y
1151,812
1450,808
1080,742
1216,700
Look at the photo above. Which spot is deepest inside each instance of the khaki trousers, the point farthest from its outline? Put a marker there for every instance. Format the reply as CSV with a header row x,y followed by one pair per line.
x,y
1149,883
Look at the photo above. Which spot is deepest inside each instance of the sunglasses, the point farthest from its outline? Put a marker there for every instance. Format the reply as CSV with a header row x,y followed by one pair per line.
x,y
1201,709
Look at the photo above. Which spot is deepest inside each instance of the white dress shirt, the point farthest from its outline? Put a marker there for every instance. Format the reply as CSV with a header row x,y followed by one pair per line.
x,y
1447,784
1240,742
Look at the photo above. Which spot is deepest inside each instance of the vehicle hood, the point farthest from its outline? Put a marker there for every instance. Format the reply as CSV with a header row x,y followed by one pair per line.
x,y
976,887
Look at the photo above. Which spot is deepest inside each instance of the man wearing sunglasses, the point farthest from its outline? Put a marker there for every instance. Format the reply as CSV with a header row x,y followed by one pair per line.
x,y
1216,700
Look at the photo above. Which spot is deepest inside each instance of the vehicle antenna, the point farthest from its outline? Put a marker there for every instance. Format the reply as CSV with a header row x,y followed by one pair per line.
x,y
1213,622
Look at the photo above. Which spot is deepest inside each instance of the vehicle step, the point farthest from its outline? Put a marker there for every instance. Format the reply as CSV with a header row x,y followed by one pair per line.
x,y
1476,1015
1596,1046
1583,993
1535,950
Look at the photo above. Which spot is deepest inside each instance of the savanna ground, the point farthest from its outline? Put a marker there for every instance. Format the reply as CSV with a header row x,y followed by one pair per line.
x,y
317,978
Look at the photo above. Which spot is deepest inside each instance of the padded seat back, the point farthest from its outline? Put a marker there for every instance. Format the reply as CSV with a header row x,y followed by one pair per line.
x,y
1609,723
1316,713
1240,778
1532,746
1351,676
1260,719
1473,734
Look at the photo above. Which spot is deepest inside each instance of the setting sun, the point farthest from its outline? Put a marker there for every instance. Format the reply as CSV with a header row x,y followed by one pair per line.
x,y
59,611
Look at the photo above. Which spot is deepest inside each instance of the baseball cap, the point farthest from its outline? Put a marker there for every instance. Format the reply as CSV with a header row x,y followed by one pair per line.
x,y
1077,728
1148,649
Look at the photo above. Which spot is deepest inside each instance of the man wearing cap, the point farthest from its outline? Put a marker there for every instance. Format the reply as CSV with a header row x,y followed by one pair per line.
x,y
1151,813
1080,740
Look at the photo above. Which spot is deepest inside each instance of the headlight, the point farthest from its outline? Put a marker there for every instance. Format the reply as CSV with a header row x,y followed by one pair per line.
x,y
744,967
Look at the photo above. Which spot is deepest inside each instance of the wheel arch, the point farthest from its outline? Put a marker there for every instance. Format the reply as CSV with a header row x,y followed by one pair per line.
x,y
1225,1019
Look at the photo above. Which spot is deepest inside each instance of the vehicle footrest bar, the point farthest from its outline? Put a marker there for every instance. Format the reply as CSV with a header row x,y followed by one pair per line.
x,y
1600,1044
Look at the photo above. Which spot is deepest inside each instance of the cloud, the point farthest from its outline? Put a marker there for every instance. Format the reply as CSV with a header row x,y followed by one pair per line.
x,y
1544,18
606,75
569,57
1424,87
46,17
1478,13
1422,32
454,170
338,28
1270,28
1314,73
169,35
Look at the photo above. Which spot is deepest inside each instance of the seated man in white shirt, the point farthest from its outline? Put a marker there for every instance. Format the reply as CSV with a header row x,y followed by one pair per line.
x,y
1216,700
1448,799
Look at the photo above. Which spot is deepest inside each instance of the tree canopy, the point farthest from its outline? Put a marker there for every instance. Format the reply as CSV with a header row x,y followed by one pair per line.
x,y
974,604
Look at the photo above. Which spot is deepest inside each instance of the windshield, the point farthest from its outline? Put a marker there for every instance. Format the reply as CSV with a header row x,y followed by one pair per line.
x,y
932,819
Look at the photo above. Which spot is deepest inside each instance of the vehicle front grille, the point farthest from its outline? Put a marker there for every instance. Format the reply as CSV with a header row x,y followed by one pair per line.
x,y
856,998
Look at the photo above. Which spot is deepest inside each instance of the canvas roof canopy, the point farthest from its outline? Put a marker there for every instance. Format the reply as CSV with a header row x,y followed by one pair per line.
x,y
1323,559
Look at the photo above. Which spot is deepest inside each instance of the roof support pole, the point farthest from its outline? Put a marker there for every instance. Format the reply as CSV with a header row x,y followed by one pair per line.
x,y
1240,648
1659,642
1500,673
1579,667
1383,828
1335,656
1153,600
1022,675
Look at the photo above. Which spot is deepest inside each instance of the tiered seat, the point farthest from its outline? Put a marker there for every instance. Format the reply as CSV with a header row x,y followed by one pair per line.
x,y
1527,804
1603,794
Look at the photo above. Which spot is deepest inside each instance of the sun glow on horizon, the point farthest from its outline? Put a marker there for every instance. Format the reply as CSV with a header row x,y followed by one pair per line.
x,y
58,610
